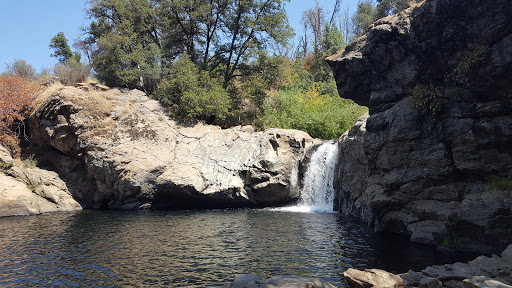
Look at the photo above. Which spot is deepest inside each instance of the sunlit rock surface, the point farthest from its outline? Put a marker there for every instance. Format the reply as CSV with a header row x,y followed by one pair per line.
x,y
125,152
29,191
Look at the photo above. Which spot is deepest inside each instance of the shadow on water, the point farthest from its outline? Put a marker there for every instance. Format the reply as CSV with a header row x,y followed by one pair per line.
x,y
193,248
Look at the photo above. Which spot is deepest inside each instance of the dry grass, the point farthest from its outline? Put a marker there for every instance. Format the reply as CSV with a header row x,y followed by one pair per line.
x,y
47,93
98,104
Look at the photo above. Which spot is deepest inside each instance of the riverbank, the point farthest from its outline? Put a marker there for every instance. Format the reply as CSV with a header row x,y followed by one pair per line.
x,y
482,272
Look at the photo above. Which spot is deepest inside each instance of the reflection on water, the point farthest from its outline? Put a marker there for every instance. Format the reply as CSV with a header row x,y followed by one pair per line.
x,y
187,248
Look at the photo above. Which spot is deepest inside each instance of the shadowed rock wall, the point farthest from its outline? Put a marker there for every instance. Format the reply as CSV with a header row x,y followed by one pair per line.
x,y
437,79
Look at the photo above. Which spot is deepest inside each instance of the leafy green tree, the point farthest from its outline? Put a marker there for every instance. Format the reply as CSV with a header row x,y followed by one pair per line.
x,y
387,7
363,17
192,93
61,48
250,25
333,40
22,69
127,51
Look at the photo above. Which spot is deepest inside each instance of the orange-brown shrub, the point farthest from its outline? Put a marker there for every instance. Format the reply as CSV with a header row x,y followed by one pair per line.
x,y
16,96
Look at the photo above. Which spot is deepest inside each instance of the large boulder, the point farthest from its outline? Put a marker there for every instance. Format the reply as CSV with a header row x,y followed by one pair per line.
x,y
29,191
437,81
137,157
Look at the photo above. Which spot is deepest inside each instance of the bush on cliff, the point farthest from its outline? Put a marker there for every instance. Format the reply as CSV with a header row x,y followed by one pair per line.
x,y
16,95
324,116
192,93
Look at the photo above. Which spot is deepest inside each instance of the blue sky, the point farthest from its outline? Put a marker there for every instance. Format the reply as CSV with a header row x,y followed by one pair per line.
x,y
26,26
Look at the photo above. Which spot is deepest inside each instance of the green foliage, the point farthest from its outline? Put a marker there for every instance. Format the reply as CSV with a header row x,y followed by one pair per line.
x,y
22,69
387,7
62,51
333,40
127,49
470,60
428,98
363,17
447,242
32,187
499,183
322,116
193,94
208,60
30,161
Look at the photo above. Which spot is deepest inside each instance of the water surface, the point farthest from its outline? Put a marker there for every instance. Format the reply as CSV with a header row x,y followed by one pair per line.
x,y
190,248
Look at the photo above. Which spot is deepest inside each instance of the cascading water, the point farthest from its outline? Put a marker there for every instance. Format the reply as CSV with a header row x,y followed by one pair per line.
x,y
317,193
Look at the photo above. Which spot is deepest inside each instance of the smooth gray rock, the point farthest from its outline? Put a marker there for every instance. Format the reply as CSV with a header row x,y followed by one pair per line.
x,y
427,282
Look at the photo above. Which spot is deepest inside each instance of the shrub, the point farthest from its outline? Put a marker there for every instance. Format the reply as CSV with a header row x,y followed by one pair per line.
x,y
5,166
468,61
16,95
22,69
499,183
322,116
71,72
30,161
428,98
193,94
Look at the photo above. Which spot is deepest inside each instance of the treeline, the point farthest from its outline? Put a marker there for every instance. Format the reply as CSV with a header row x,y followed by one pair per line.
x,y
226,62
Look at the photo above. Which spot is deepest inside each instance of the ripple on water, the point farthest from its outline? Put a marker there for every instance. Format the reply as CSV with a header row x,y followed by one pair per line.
x,y
181,248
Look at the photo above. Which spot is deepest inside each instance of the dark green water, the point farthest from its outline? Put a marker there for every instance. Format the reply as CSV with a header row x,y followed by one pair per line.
x,y
191,248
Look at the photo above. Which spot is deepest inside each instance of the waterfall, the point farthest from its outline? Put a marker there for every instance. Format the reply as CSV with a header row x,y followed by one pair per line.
x,y
317,192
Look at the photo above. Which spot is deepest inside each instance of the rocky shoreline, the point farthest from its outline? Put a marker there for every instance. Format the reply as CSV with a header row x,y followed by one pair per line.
x,y
493,271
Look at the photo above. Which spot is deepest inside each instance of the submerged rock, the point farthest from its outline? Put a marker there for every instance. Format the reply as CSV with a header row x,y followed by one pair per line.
x,y
29,191
137,157
437,80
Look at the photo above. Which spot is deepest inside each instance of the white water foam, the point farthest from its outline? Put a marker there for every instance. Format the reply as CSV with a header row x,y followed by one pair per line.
x,y
317,193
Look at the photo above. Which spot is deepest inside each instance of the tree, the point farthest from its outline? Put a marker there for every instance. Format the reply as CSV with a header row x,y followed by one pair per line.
x,y
62,52
192,93
22,69
314,19
363,17
251,25
345,25
127,43
387,7
333,40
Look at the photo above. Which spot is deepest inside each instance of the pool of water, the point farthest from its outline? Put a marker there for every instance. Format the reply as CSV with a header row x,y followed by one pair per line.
x,y
192,248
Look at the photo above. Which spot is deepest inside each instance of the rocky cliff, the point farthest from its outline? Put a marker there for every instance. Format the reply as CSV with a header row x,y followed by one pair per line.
x,y
119,149
437,79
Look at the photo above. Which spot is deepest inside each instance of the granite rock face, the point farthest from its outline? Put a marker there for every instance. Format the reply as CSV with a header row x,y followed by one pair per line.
x,y
438,84
133,156
29,191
